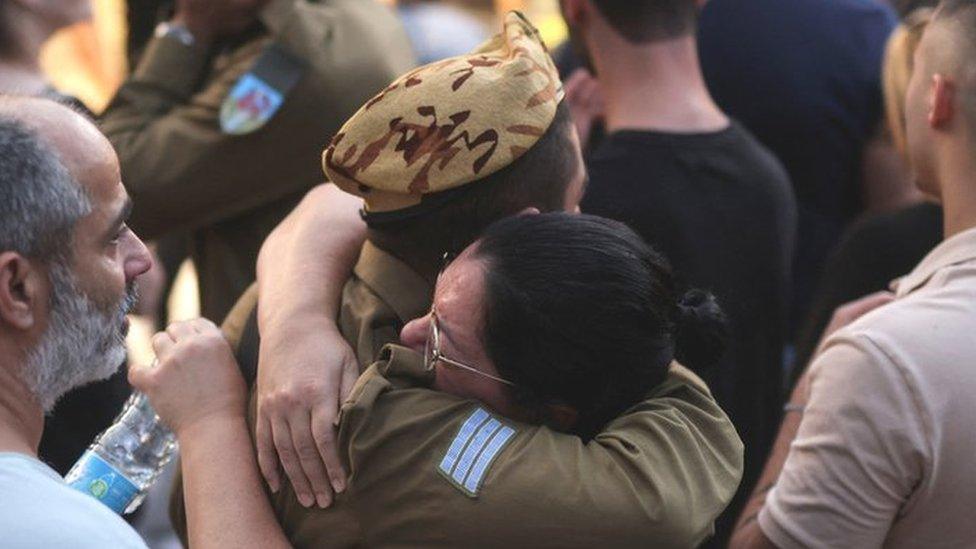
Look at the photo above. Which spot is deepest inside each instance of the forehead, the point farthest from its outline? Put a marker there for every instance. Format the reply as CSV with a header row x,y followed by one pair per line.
x,y
460,288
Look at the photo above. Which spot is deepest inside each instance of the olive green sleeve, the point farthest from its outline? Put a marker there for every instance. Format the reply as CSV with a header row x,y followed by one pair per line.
x,y
664,471
183,172
180,169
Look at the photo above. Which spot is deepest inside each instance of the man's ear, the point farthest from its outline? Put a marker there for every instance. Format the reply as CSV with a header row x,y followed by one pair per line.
x,y
22,288
941,99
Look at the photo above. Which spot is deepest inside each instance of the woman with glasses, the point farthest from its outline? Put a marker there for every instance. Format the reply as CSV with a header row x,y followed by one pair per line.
x,y
542,402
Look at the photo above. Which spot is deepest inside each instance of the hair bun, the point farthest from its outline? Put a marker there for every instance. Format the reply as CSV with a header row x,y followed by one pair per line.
x,y
701,330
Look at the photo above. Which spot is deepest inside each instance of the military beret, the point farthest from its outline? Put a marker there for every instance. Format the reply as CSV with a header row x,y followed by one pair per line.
x,y
447,124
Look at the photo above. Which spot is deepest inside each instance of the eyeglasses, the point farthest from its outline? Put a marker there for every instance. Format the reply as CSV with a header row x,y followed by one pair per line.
x,y
432,353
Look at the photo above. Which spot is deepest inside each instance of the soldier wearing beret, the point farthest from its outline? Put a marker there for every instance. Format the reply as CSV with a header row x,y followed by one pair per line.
x,y
219,125
437,156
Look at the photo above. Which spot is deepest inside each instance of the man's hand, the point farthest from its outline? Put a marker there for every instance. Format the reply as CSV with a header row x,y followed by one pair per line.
x,y
196,378
305,368
846,314
210,20
585,100
304,375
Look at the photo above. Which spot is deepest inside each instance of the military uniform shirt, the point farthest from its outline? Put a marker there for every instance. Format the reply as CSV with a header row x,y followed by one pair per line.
x,y
185,174
428,469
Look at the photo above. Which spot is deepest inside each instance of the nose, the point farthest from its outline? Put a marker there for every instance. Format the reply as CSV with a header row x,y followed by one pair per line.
x,y
414,334
138,260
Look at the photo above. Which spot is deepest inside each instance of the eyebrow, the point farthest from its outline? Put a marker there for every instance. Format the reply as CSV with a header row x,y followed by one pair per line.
x,y
120,219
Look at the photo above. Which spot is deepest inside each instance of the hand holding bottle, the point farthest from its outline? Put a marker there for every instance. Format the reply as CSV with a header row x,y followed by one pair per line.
x,y
195,378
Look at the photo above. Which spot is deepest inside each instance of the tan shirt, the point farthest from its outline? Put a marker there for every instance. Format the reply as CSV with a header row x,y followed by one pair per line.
x,y
230,191
884,454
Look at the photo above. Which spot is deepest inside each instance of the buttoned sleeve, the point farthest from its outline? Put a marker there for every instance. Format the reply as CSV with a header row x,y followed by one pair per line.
x,y
860,450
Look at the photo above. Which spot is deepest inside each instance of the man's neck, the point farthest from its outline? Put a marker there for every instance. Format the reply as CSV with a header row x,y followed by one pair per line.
x,y
424,262
656,86
957,177
21,417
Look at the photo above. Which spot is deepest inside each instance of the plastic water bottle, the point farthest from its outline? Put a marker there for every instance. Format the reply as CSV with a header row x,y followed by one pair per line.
x,y
125,460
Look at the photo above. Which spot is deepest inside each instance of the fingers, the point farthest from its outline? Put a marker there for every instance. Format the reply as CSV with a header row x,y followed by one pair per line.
x,y
856,309
327,445
162,344
281,434
575,83
267,454
139,377
180,330
309,458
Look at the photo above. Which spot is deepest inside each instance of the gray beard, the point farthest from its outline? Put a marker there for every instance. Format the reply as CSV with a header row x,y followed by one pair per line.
x,y
83,343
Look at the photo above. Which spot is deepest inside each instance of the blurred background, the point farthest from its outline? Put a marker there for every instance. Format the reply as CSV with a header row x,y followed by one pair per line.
x,y
88,60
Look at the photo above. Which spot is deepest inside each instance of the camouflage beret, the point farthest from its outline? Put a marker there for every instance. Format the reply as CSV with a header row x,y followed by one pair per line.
x,y
444,125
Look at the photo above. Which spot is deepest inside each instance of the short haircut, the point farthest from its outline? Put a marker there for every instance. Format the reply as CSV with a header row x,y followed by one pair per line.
x,y
40,202
539,178
642,21
580,311
960,15
896,72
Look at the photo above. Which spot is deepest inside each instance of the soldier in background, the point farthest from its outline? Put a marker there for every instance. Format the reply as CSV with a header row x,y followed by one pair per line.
x,y
221,124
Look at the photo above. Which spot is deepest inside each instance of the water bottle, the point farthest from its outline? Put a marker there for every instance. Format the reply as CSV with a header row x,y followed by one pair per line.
x,y
125,460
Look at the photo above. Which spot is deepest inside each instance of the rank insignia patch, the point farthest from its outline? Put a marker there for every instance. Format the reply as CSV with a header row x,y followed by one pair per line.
x,y
479,441
258,95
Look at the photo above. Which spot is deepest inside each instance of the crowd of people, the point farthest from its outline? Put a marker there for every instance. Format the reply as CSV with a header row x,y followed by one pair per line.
x,y
701,276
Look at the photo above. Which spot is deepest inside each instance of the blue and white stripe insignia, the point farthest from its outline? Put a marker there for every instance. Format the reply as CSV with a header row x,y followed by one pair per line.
x,y
478,442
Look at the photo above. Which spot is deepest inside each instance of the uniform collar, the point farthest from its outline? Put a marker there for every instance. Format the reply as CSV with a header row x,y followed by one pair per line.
x,y
399,286
961,248
401,362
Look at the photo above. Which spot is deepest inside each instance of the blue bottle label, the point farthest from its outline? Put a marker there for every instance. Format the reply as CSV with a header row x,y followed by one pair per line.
x,y
105,483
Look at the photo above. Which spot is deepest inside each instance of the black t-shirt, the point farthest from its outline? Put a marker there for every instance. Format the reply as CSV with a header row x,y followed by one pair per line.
x,y
805,77
720,207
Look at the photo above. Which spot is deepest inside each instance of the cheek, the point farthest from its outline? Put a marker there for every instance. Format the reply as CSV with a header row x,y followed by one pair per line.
x,y
105,281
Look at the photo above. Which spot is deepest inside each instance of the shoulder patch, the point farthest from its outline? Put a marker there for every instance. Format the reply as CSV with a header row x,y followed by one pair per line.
x,y
258,95
473,450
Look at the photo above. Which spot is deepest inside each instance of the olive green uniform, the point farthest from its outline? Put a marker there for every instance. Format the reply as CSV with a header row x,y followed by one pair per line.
x,y
658,475
429,469
185,174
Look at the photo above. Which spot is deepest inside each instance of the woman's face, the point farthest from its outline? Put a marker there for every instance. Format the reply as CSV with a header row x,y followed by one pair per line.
x,y
459,301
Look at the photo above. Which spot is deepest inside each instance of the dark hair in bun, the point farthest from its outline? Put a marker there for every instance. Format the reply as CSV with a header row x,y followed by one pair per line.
x,y
701,330
579,310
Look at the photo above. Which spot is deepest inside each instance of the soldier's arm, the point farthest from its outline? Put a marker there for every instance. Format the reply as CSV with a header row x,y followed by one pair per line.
x,y
305,367
658,475
663,471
